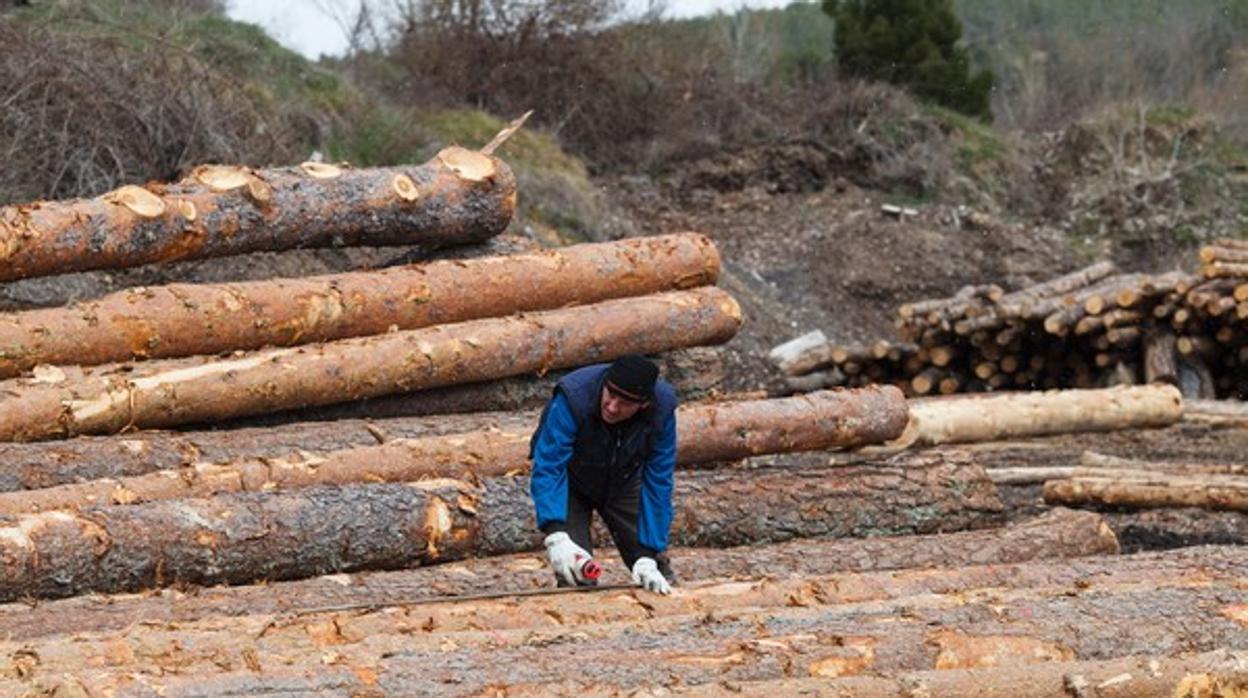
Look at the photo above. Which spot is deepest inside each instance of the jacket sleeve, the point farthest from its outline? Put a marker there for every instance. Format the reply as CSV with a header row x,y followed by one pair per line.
x,y
655,515
552,451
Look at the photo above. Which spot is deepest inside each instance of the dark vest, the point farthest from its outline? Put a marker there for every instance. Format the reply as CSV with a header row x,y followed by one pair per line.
x,y
607,458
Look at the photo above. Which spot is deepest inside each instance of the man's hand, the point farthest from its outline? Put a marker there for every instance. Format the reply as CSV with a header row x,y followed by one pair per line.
x,y
646,574
566,558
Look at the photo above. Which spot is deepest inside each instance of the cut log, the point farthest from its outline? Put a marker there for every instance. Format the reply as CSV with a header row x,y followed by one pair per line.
x,y
48,463
1216,492
707,433
1017,303
45,292
879,624
966,419
817,380
181,391
1145,676
697,373
285,535
1224,270
461,196
1163,529
185,319
1160,358
802,355
1060,533
1092,459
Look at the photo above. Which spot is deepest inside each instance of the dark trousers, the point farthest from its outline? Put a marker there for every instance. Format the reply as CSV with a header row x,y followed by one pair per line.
x,y
619,512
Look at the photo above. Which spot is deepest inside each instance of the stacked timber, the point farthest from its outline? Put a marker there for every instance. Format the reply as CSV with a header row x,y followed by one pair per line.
x,y
89,512
1094,327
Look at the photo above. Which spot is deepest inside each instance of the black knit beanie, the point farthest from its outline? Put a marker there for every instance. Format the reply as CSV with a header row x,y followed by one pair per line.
x,y
634,376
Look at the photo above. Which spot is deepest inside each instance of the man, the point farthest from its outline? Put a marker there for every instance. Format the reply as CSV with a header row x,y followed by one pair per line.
x,y
607,443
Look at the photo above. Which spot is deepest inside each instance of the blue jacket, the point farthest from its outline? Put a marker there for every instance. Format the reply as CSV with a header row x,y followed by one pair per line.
x,y
573,447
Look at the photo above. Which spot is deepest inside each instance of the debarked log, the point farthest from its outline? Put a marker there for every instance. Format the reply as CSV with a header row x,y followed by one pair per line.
x,y
191,319
966,419
824,627
244,537
170,392
1142,490
706,433
459,196
1059,533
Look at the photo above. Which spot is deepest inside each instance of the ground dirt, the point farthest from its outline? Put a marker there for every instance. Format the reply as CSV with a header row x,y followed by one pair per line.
x,y
829,259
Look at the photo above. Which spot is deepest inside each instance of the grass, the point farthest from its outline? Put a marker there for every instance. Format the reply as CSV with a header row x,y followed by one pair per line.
x,y
978,143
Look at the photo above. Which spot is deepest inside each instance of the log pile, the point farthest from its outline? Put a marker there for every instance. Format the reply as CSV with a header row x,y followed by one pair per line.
x,y
1162,621
1094,327
154,509
397,555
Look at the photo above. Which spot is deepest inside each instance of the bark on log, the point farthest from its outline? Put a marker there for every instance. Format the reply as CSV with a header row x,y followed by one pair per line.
x,y
246,537
30,466
707,433
458,196
1160,358
1060,533
186,320
1117,473
827,627
1163,529
174,391
51,291
1146,676
1216,492
696,372
1012,415
928,494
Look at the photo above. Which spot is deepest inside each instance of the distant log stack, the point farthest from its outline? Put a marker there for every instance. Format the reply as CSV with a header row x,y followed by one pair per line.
x,y
1095,327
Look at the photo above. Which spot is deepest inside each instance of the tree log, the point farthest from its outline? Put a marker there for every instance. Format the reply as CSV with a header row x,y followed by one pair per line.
x,y
826,627
458,196
1146,676
1092,459
707,433
802,355
1162,529
1017,303
181,391
1012,415
237,538
696,372
1060,533
1133,491
187,319
1160,358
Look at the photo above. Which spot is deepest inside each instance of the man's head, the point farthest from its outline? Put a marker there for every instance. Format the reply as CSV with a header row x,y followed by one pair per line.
x,y
628,388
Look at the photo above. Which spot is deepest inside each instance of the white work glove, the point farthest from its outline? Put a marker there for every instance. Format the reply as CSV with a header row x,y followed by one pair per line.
x,y
566,558
646,574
